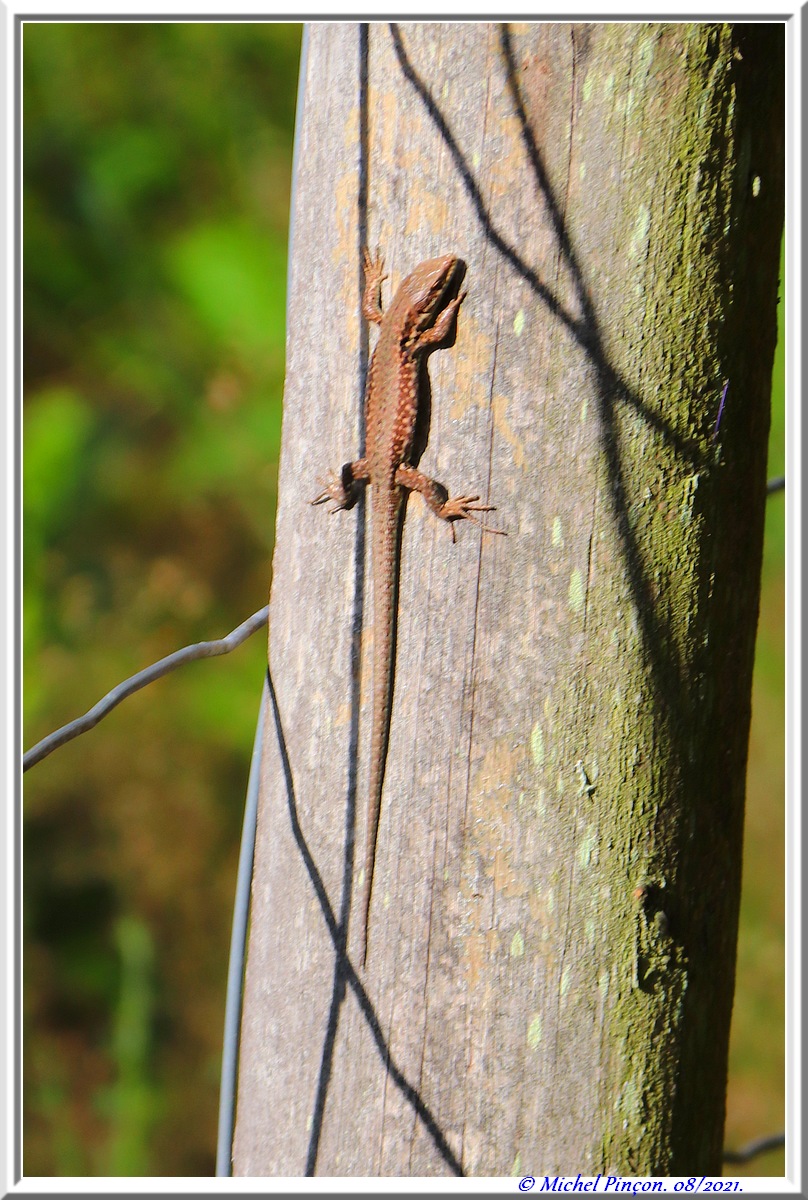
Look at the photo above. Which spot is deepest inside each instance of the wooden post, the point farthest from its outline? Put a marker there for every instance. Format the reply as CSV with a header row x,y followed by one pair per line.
x,y
555,905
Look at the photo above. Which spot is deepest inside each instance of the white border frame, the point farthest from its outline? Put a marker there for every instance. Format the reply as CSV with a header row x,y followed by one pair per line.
x,y
10,940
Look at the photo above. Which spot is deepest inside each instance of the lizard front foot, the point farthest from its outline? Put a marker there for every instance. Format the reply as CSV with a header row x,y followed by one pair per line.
x,y
374,277
374,268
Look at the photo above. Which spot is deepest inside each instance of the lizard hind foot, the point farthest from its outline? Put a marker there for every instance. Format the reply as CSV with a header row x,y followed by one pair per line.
x,y
462,508
332,490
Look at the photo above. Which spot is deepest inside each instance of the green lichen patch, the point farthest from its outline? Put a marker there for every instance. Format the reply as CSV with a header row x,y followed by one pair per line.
x,y
534,1032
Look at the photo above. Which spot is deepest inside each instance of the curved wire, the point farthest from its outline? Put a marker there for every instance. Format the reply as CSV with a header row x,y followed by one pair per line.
x,y
162,667
238,944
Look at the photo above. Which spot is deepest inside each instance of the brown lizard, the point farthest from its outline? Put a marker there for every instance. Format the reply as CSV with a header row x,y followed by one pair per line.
x,y
397,403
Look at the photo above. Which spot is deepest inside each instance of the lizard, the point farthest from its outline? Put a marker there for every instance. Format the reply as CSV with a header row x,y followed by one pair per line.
x,y
421,318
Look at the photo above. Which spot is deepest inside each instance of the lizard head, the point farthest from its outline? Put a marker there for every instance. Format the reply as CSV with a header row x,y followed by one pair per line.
x,y
431,286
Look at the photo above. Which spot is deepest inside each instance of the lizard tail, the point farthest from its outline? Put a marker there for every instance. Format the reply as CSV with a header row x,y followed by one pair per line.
x,y
385,605
380,732
370,859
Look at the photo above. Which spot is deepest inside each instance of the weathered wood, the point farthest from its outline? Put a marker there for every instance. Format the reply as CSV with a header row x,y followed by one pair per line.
x,y
555,908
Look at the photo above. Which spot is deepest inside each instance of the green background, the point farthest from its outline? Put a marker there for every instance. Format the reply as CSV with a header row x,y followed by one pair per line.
x,y
157,164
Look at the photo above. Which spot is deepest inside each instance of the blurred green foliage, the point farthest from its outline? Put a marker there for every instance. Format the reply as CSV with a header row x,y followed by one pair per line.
x,y
157,163
157,167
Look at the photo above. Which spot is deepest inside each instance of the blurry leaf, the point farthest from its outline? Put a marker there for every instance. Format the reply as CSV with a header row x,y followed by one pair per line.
x,y
126,165
235,278
229,452
56,427
55,431
131,1101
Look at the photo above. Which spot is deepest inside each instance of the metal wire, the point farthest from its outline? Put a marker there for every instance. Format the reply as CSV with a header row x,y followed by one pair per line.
x,y
238,945
774,1141
162,667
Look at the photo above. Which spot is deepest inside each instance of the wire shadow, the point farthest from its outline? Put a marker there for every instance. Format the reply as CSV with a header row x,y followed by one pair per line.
x,y
344,972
